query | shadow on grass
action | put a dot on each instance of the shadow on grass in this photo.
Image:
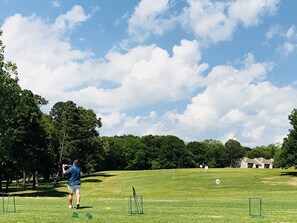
(43, 193)
(85, 207)
(47, 189)
(289, 173)
(98, 174)
(43, 190)
(91, 180)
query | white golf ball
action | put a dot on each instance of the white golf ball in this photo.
(218, 181)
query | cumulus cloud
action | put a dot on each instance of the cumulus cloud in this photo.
(240, 101)
(236, 103)
(252, 112)
(71, 19)
(47, 65)
(210, 21)
(119, 81)
(149, 19)
(147, 72)
(215, 21)
(250, 12)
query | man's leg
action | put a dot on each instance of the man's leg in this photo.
(70, 192)
(77, 192)
(70, 200)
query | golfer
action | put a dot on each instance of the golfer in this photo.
(73, 174)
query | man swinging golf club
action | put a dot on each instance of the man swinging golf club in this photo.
(73, 174)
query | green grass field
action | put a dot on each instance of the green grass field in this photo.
(183, 195)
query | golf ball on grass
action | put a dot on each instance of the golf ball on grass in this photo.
(218, 181)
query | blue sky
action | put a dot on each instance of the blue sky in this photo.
(197, 69)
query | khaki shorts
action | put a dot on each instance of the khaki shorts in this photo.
(74, 188)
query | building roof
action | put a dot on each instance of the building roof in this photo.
(258, 161)
(253, 161)
(264, 161)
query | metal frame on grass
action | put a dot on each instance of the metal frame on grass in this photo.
(135, 204)
(255, 207)
(6, 206)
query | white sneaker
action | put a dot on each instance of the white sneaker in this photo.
(70, 206)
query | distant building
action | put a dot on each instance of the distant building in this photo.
(256, 163)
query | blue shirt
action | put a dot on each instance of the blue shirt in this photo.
(73, 174)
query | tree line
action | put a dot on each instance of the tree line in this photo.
(148, 152)
(33, 144)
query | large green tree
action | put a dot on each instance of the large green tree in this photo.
(29, 135)
(91, 146)
(267, 152)
(115, 155)
(21, 132)
(234, 151)
(153, 145)
(9, 98)
(288, 155)
(136, 153)
(173, 154)
(76, 131)
(199, 151)
(216, 154)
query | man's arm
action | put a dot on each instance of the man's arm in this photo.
(63, 169)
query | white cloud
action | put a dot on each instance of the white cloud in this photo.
(288, 48)
(145, 21)
(146, 75)
(288, 36)
(210, 21)
(71, 19)
(56, 3)
(240, 105)
(214, 21)
(273, 31)
(256, 133)
(49, 66)
(250, 12)
(236, 103)
(279, 31)
(111, 119)
(234, 115)
(291, 33)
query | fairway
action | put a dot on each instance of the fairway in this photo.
(180, 195)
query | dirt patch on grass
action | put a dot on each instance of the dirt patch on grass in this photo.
(276, 181)
(293, 182)
(272, 181)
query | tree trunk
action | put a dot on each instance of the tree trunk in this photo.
(24, 179)
(7, 183)
(34, 181)
(0, 182)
